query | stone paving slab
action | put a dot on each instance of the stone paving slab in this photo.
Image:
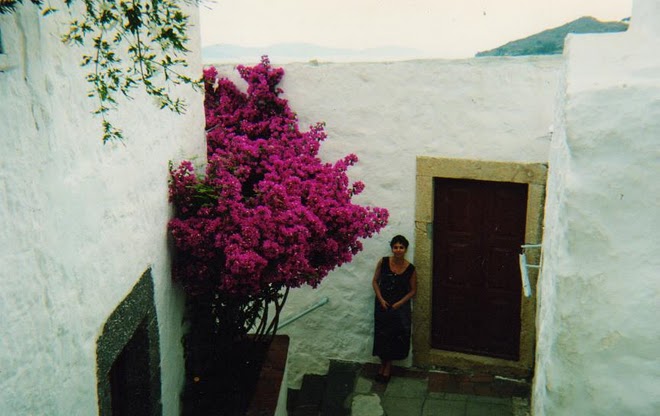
(457, 397)
(406, 387)
(492, 400)
(403, 406)
(363, 385)
(436, 407)
(366, 405)
(487, 409)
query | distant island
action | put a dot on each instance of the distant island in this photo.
(551, 41)
(548, 42)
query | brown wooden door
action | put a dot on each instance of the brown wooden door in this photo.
(477, 232)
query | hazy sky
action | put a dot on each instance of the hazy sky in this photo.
(441, 28)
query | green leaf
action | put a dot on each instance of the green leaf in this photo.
(48, 11)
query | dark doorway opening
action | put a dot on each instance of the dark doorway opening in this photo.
(130, 377)
(477, 232)
(128, 356)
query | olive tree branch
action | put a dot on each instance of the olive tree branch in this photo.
(128, 27)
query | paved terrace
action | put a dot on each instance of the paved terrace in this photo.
(350, 389)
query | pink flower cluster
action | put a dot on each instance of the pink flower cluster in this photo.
(268, 211)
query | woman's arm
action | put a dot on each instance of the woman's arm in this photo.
(410, 294)
(374, 284)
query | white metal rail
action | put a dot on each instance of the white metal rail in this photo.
(299, 315)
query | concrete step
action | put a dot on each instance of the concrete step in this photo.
(308, 400)
(327, 395)
(340, 384)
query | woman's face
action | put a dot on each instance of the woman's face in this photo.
(399, 250)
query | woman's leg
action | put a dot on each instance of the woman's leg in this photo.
(384, 371)
(387, 368)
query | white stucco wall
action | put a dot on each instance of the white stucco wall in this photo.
(388, 114)
(598, 338)
(79, 221)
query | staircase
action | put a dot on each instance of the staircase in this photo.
(325, 395)
(349, 390)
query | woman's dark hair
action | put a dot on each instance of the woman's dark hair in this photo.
(399, 239)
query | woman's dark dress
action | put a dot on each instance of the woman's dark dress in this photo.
(392, 327)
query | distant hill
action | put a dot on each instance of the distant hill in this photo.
(302, 52)
(551, 41)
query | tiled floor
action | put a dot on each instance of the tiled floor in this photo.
(412, 393)
(350, 389)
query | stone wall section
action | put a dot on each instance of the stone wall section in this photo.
(80, 221)
(389, 114)
(598, 343)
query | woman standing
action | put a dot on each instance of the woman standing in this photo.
(395, 283)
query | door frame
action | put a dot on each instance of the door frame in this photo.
(532, 174)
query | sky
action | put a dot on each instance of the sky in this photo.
(439, 28)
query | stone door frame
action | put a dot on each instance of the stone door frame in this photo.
(532, 174)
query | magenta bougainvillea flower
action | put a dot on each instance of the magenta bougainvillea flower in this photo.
(268, 212)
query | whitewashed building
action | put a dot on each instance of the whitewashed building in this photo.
(598, 337)
(84, 257)
(574, 137)
(487, 119)
(585, 124)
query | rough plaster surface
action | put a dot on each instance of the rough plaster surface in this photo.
(80, 222)
(388, 114)
(598, 342)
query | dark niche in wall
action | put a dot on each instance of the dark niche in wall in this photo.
(128, 356)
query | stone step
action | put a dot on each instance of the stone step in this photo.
(308, 400)
(340, 384)
(325, 395)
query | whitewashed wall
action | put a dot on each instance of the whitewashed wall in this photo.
(79, 221)
(598, 337)
(388, 114)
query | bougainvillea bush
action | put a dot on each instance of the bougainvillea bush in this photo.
(267, 214)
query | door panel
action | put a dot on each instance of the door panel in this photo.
(478, 229)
